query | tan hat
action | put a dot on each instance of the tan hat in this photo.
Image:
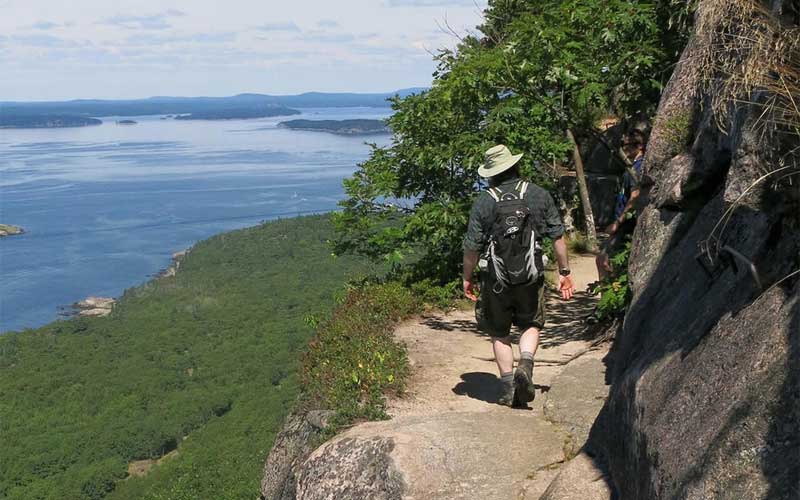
(497, 160)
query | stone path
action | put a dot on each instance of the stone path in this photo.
(450, 440)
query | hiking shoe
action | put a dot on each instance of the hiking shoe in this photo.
(507, 397)
(523, 382)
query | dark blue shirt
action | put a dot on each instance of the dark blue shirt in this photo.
(628, 185)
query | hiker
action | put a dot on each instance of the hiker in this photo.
(506, 227)
(633, 146)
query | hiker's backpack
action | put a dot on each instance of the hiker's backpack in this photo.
(513, 255)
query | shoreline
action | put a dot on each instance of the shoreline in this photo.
(94, 306)
(101, 306)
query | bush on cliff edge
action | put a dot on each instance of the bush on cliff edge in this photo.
(354, 362)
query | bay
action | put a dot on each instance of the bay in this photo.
(105, 207)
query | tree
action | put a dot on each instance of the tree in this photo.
(537, 69)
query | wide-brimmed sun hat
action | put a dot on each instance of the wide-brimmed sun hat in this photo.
(497, 160)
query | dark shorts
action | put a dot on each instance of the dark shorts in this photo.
(520, 305)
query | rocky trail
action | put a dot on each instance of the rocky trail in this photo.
(449, 439)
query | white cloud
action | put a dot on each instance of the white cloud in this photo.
(327, 23)
(44, 25)
(290, 27)
(149, 22)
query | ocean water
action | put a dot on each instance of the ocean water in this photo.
(104, 208)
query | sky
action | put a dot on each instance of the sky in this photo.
(56, 49)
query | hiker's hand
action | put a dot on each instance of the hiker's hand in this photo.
(566, 287)
(612, 229)
(469, 290)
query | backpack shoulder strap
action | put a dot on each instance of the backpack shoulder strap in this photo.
(495, 193)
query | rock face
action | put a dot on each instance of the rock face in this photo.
(575, 397)
(580, 479)
(177, 259)
(300, 434)
(351, 469)
(9, 230)
(95, 306)
(705, 402)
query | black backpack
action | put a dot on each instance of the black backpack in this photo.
(513, 255)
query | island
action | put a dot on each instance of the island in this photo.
(341, 127)
(9, 230)
(46, 121)
(239, 113)
(126, 122)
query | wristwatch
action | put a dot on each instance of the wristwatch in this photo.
(564, 271)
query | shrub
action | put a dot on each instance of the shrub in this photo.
(354, 362)
(615, 291)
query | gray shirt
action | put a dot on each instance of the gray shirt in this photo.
(546, 219)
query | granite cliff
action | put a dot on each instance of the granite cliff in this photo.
(705, 400)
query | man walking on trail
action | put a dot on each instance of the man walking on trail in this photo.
(506, 226)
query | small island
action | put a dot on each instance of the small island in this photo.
(126, 122)
(239, 113)
(9, 230)
(341, 127)
(46, 121)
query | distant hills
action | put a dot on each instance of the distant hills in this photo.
(68, 112)
(341, 127)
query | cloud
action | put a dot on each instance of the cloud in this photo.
(44, 41)
(153, 39)
(150, 22)
(44, 25)
(430, 3)
(290, 27)
(319, 36)
(328, 23)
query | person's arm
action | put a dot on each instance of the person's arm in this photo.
(470, 261)
(565, 284)
(628, 207)
(474, 242)
(555, 231)
(632, 185)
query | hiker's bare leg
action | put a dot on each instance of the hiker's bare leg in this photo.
(529, 341)
(603, 266)
(503, 354)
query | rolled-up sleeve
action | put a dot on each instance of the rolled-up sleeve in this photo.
(552, 219)
(477, 227)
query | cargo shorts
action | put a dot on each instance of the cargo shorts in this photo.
(518, 305)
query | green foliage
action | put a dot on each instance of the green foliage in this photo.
(354, 362)
(615, 291)
(434, 295)
(539, 68)
(206, 362)
(678, 130)
(680, 21)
